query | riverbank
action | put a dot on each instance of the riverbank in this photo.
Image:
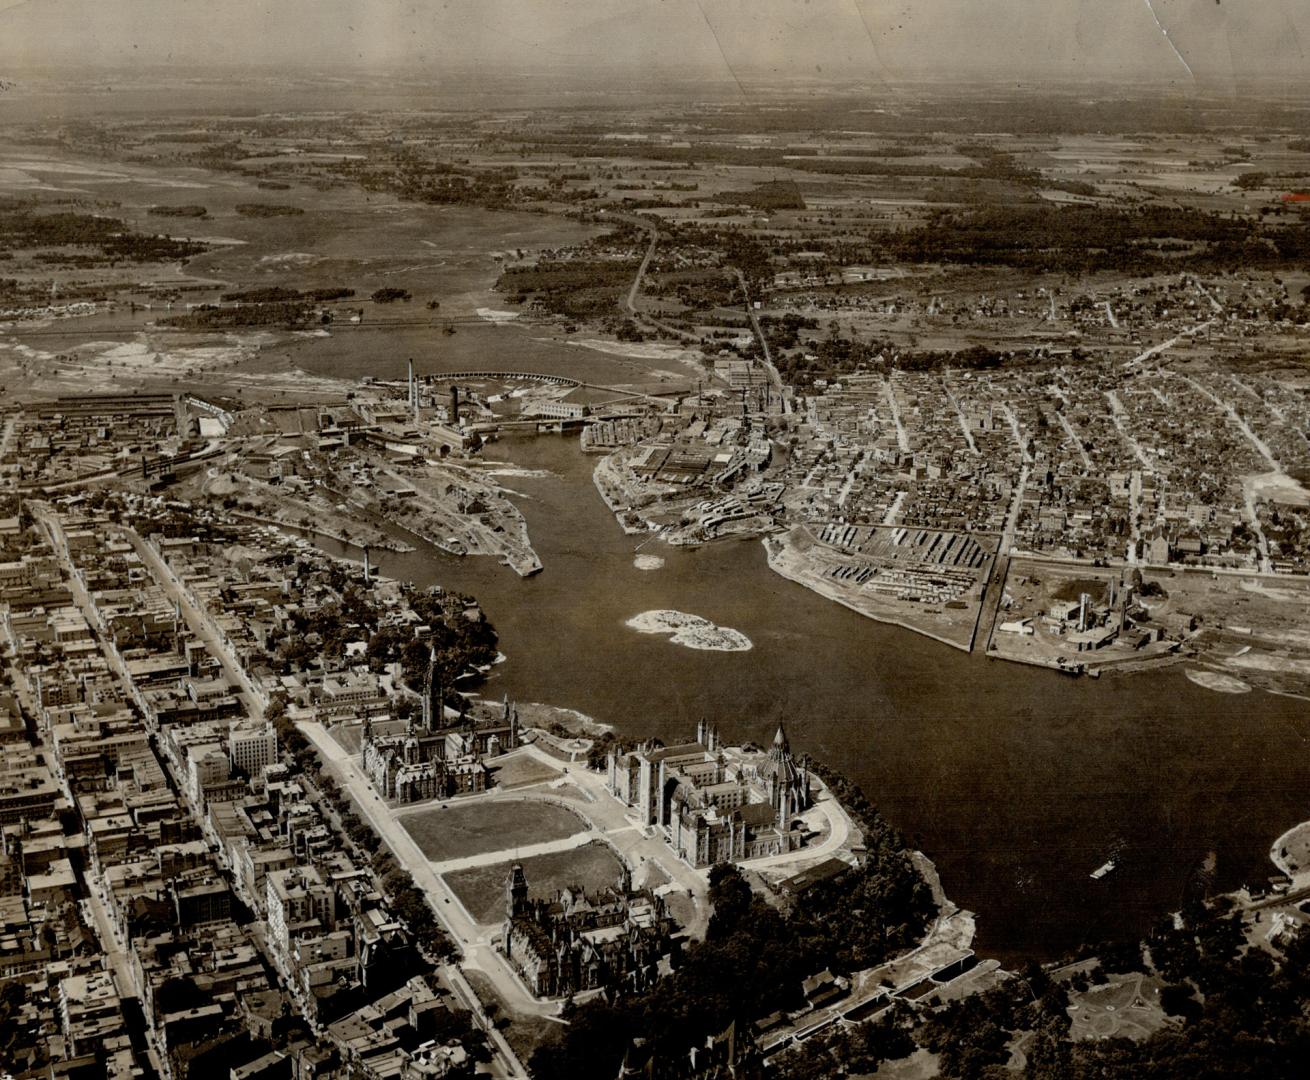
(380, 542)
(1291, 854)
(609, 486)
(790, 564)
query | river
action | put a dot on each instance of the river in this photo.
(1016, 781)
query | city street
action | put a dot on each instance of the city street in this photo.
(199, 620)
(474, 941)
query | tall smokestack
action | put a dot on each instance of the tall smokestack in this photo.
(454, 405)
(413, 389)
(367, 567)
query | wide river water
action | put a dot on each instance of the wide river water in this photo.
(1016, 781)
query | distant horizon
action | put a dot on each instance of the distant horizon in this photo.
(665, 80)
(1193, 46)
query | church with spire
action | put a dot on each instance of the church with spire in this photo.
(715, 804)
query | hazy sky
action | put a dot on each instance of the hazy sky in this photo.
(1205, 42)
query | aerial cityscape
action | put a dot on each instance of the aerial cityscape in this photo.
(654, 542)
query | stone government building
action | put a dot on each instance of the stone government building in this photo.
(618, 938)
(433, 759)
(714, 805)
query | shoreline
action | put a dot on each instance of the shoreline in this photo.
(617, 511)
(887, 620)
(1276, 850)
(690, 631)
(397, 547)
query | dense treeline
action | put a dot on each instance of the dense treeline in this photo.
(755, 956)
(457, 629)
(272, 305)
(1081, 239)
(435, 182)
(291, 315)
(798, 158)
(190, 210)
(268, 210)
(834, 356)
(278, 294)
(1237, 1010)
(771, 195)
(576, 289)
(21, 227)
(463, 638)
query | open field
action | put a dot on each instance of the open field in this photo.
(458, 830)
(481, 889)
(520, 770)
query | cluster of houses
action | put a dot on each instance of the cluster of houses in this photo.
(146, 815)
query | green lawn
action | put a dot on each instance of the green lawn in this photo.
(348, 736)
(482, 888)
(520, 771)
(460, 830)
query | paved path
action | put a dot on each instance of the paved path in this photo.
(1259, 444)
(476, 942)
(889, 518)
(1135, 508)
(199, 620)
(1248, 491)
(964, 424)
(1012, 518)
(8, 433)
(1118, 414)
(523, 851)
(54, 527)
(902, 439)
(839, 831)
(1073, 438)
(634, 290)
(1274, 410)
(1164, 346)
(1013, 421)
(772, 371)
(110, 944)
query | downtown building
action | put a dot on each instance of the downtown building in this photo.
(713, 807)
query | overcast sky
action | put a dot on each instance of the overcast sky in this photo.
(1197, 42)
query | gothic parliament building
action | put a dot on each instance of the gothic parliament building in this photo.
(713, 809)
(434, 759)
(618, 939)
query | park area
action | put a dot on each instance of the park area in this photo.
(481, 889)
(1128, 1008)
(457, 831)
